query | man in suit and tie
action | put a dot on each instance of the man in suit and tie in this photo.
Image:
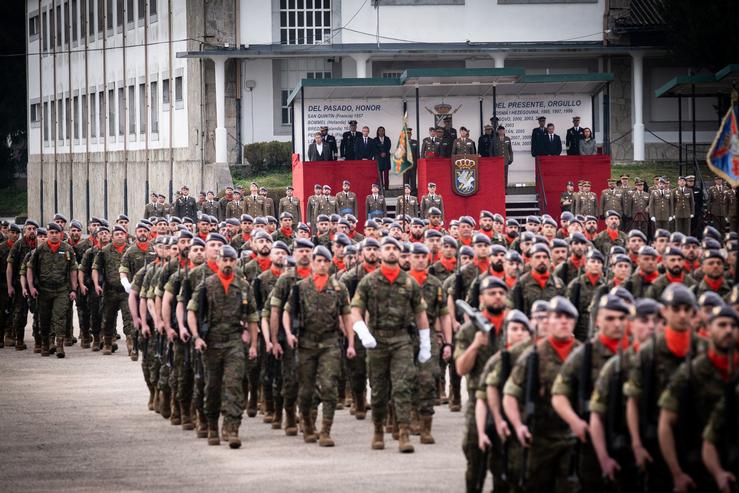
(552, 143)
(318, 150)
(574, 134)
(537, 137)
(364, 147)
(348, 141)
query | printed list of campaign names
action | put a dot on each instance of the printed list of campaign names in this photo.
(337, 116)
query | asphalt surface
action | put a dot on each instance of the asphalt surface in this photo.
(81, 424)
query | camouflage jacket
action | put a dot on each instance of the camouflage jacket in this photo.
(319, 311)
(225, 310)
(53, 271)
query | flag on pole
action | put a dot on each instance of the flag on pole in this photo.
(723, 156)
(403, 155)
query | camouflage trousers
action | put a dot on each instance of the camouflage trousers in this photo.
(52, 309)
(94, 313)
(266, 374)
(113, 301)
(19, 314)
(549, 463)
(424, 390)
(166, 367)
(319, 366)
(224, 370)
(392, 375)
(252, 371)
(83, 317)
(289, 377)
(477, 465)
(357, 370)
(505, 466)
(152, 362)
(182, 379)
(5, 310)
(273, 373)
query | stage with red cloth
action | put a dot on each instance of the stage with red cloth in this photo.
(490, 193)
(553, 173)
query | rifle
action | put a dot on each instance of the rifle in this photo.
(296, 312)
(257, 288)
(505, 372)
(474, 294)
(458, 292)
(477, 318)
(687, 447)
(202, 314)
(186, 287)
(584, 389)
(531, 395)
(616, 437)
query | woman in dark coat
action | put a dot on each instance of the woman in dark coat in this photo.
(382, 148)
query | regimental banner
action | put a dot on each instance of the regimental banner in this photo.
(723, 156)
(465, 174)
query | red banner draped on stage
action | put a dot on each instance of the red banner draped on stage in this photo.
(490, 194)
(553, 173)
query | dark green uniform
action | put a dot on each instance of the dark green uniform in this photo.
(93, 302)
(428, 372)
(604, 242)
(108, 260)
(19, 316)
(527, 290)
(5, 302)
(581, 292)
(660, 284)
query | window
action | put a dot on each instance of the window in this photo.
(119, 13)
(152, 7)
(68, 118)
(111, 112)
(93, 115)
(154, 108)
(101, 15)
(33, 26)
(142, 108)
(285, 108)
(391, 75)
(129, 11)
(109, 15)
(101, 113)
(131, 109)
(35, 112)
(90, 16)
(46, 121)
(45, 30)
(178, 89)
(121, 111)
(67, 23)
(165, 92)
(52, 28)
(76, 113)
(75, 20)
(305, 22)
(52, 120)
(318, 75)
(84, 116)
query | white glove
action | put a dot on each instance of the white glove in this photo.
(126, 284)
(692, 216)
(360, 328)
(672, 218)
(654, 219)
(424, 353)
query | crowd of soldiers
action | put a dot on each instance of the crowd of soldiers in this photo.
(592, 359)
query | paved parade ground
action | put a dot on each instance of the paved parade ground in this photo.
(81, 424)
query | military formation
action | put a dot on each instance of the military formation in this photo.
(594, 358)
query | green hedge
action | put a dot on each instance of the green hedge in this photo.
(268, 156)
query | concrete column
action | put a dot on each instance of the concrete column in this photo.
(361, 61)
(637, 84)
(221, 134)
(499, 59)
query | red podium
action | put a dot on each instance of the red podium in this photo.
(553, 173)
(490, 193)
(361, 174)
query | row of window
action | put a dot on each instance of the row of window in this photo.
(305, 22)
(64, 22)
(61, 118)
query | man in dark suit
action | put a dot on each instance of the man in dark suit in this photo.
(574, 134)
(318, 150)
(331, 141)
(364, 146)
(552, 144)
(348, 140)
(485, 142)
(537, 137)
(185, 205)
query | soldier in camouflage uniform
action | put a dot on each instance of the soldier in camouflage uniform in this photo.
(391, 301)
(713, 268)
(573, 386)
(312, 327)
(19, 306)
(302, 250)
(611, 236)
(472, 350)
(673, 261)
(582, 290)
(549, 442)
(52, 279)
(285, 234)
(5, 301)
(720, 439)
(131, 262)
(574, 265)
(539, 283)
(93, 301)
(225, 302)
(645, 275)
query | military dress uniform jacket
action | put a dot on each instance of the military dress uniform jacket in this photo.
(185, 207)
(269, 207)
(660, 205)
(612, 200)
(430, 147)
(346, 203)
(254, 205)
(312, 208)
(150, 210)
(375, 206)
(572, 140)
(637, 206)
(503, 149)
(291, 205)
(716, 205)
(234, 209)
(683, 206)
(463, 146)
(586, 204)
(210, 207)
(408, 205)
(566, 201)
(428, 201)
(326, 205)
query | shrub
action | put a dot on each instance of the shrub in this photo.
(268, 156)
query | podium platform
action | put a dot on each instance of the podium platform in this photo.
(553, 173)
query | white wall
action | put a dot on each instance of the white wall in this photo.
(258, 108)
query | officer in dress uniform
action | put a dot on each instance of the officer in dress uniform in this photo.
(537, 137)
(375, 203)
(572, 139)
(407, 203)
(485, 142)
(348, 139)
(430, 145)
(683, 206)
(716, 207)
(567, 198)
(660, 205)
(290, 204)
(448, 137)
(431, 199)
(331, 141)
(696, 224)
(346, 200)
(463, 145)
(612, 198)
(586, 202)
(637, 208)
(502, 147)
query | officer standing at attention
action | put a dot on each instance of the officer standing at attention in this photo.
(683, 206)
(290, 204)
(348, 140)
(346, 200)
(572, 139)
(660, 206)
(567, 198)
(463, 145)
(391, 301)
(185, 205)
(448, 136)
(430, 145)
(485, 142)
(375, 203)
(537, 137)
(226, 304)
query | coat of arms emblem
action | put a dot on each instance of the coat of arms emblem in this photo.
(465, 175)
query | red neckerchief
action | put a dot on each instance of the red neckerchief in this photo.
(690, 267)
(590, 236)
(73, 243)
(191, 265)
(678, 342)
(182, 262)
(577, 263)
(434, 257)
(54, 247)
(94, 241)
(489, 234)
(202, 236)
(483, 265)
(30, 243)
(541, 279)
(435, 228)
(303, 272)
(339, 263)
(634, 257)
(499, 275)
(352, 234)
(390, 273)
(419, 275)
(465, 241)
(287, 231)
(9, 243)
(721, 362)
(611, 344)
(275, 271)
(212, 266)
(264, 263)
(562, 348)
(246, 237)
(225, 280)
(616, 282)
(369, 267)
(510, 281)
(593, 278)
(496, 320)
(649, 278)
(715, 285)
(119, 248)
(144, 247)
(510, 239)
(320, 281)
(680, 278)
(449, 263)
(612, 234)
